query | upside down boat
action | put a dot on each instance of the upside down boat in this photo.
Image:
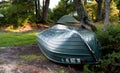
(69, 44)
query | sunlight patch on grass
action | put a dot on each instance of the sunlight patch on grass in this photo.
(17, 39)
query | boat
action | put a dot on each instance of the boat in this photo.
(69, 44)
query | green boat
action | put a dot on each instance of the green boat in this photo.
(68, 44)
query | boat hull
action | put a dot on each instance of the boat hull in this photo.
(69, 45)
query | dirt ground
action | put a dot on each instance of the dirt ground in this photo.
(10, 62)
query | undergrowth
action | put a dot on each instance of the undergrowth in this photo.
(110, 42)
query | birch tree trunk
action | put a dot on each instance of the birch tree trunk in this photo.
(107, 12)
(83, 16)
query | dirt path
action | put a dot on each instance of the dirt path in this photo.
(11, 62)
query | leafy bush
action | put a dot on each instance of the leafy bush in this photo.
(110, 42)
(110, 39)
(109, 64)
(17, 14)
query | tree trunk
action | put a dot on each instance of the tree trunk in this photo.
(45, 11)
(37, 8)
(83, 16)
(107, 12)
(99, 10)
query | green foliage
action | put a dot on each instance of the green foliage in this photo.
(117, 3)
(110, 39)
(3, 11)
(59, 11)
(2, 21)
(62, 9)
(114, 12)
(50, 16)
(16, 14)
(86, 69)
(91, 9)
(109, 64)
(17, 39)
(22, 11)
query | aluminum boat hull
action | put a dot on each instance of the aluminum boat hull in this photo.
(69, 45)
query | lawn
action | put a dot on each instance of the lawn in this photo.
(17, 39)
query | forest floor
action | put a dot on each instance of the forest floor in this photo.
(22, 59)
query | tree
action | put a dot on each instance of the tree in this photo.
(107, 12)
(99, 10)
(83, 16)
(18, 12)
(61, 9)
(45, 10)
(37, 10)
(118, 6)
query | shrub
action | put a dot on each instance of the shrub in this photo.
(109, 64)
(110, 39)
(17, 14)
(110, 42)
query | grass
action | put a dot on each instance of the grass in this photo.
(32, 57)
(62, 71)
(17, 39)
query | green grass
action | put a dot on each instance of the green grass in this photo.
(32, 57)
(17, 39)
(62, 71)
